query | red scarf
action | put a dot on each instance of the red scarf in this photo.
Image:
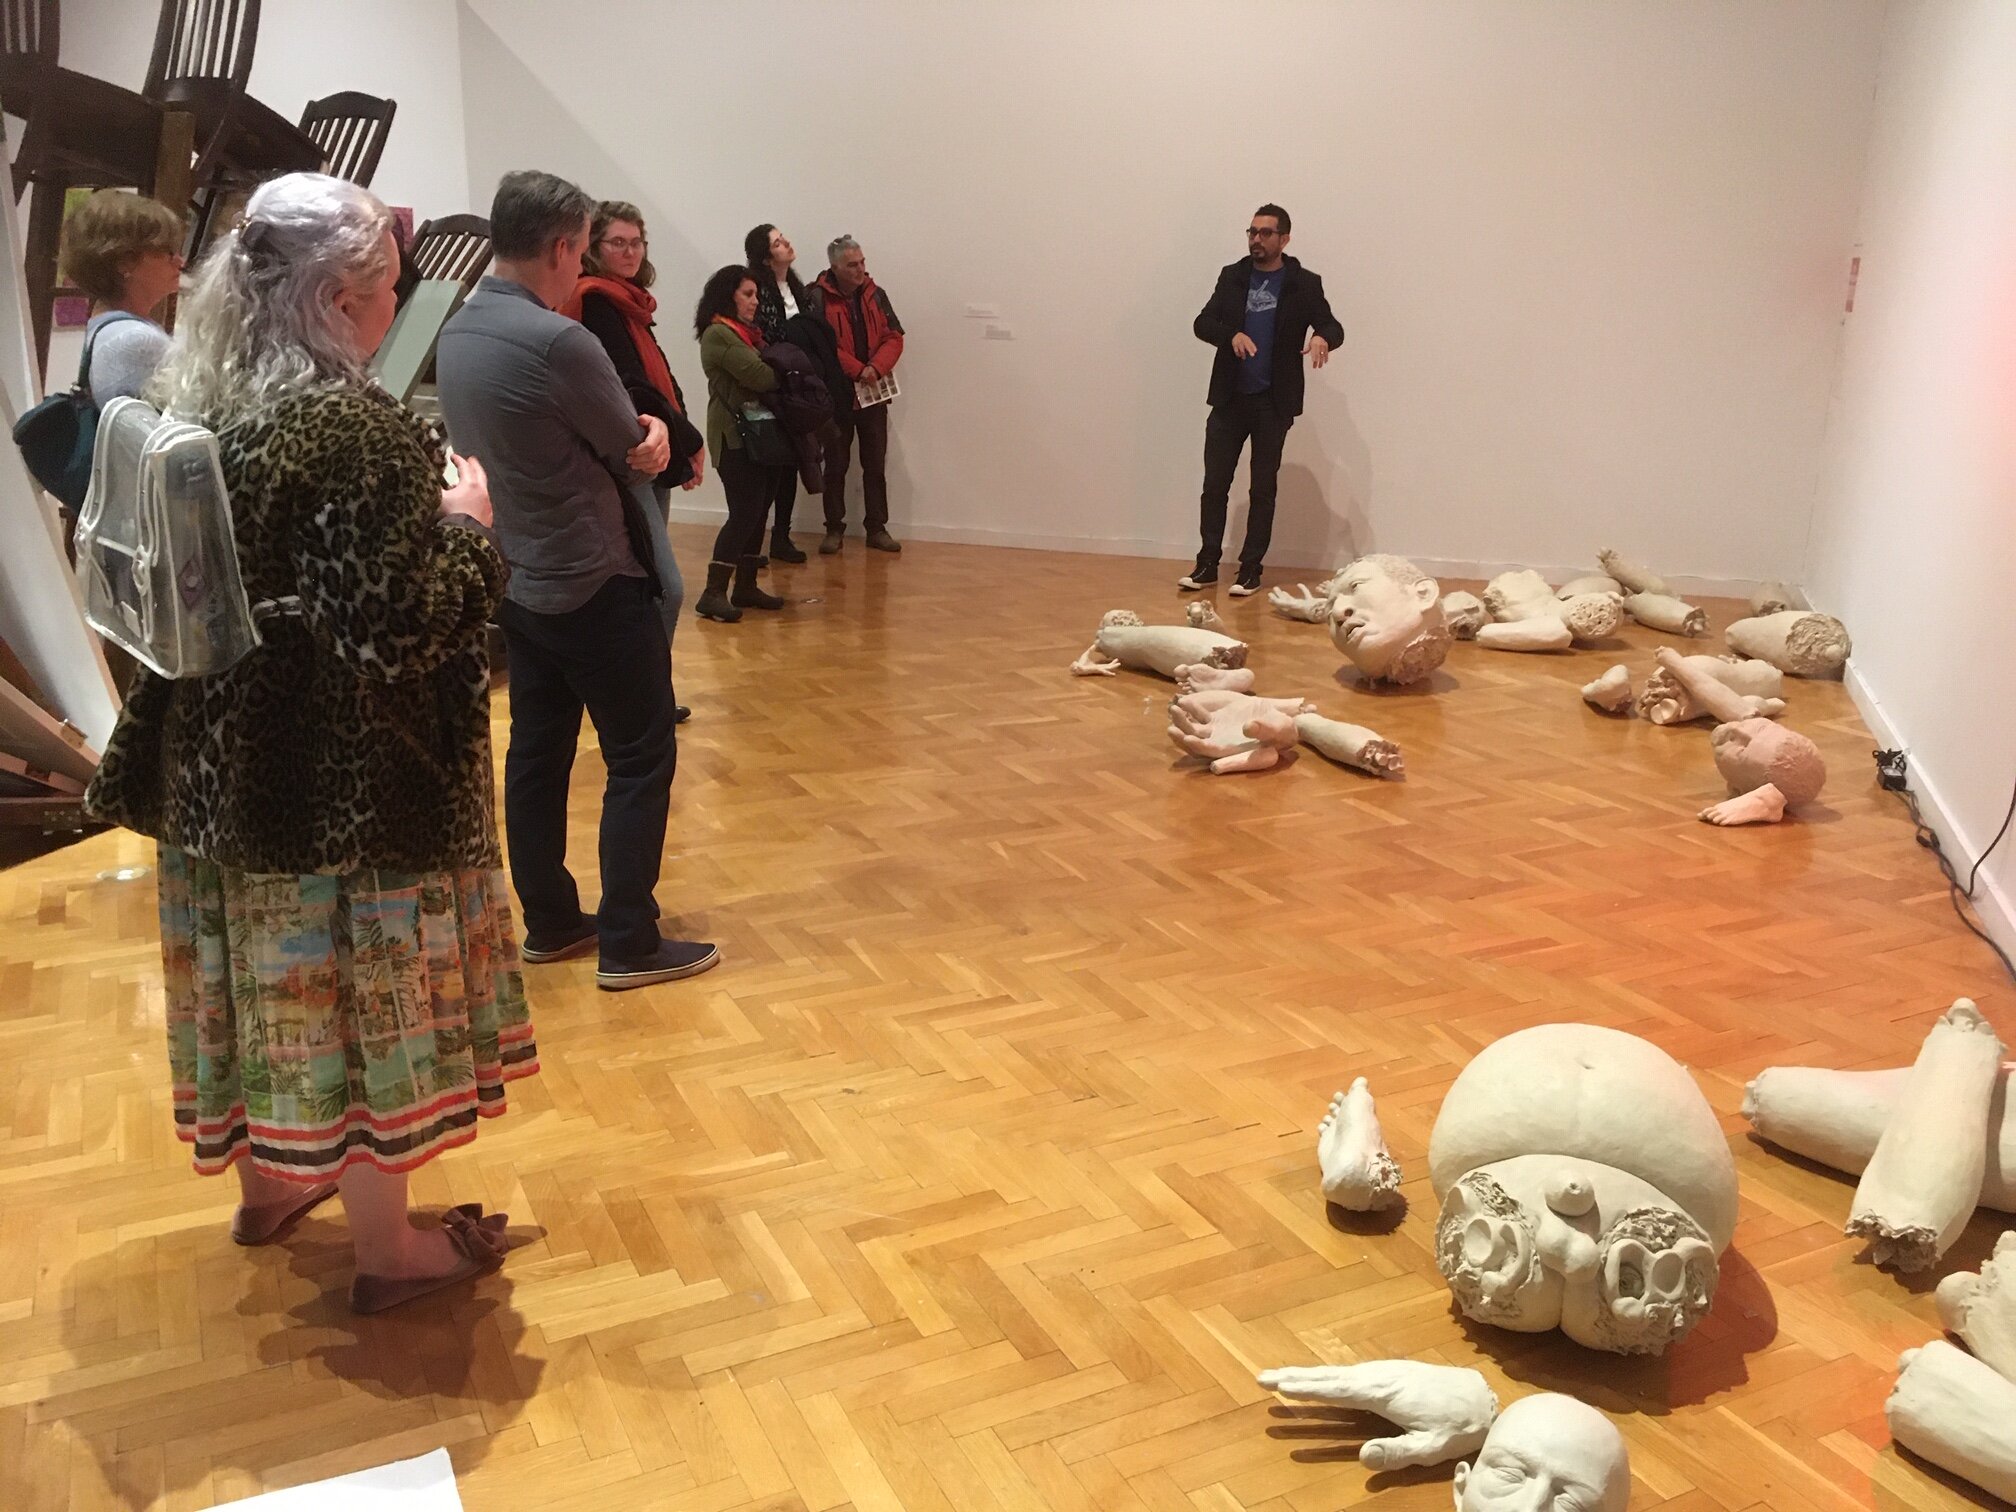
(754, 340)
(636, 306)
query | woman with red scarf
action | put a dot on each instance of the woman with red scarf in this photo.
(614, 300)
(731, 349)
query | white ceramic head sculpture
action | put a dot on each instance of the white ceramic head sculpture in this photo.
(1547, 1454)
(1585, 1185)
(1752, 752)
(1386, 616)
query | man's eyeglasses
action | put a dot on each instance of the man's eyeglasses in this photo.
(1254, 233)
(624, 243)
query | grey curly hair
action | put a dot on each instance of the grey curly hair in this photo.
(257, 323)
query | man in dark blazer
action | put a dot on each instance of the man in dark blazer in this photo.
(1266, 314)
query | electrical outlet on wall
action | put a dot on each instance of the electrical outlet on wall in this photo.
(999, 333)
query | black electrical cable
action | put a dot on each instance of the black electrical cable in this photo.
(1959, 895)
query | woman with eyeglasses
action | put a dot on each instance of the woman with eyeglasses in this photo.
(780, 294)
(614, 300)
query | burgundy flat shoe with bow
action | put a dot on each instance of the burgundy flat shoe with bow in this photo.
(267, 1221)
(479, 1240)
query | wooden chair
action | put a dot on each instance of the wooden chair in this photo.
(351, 129)
(454, 247)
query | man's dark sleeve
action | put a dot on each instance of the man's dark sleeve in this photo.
(594, 400)
(1212, 328)
(1321, 321)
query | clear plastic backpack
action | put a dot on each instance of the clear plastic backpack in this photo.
(155, 556)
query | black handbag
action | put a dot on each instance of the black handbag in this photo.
(763, 437)
(57, 435)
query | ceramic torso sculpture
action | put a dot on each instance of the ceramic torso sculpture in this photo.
(1386, 616)
(1794, 640)
(1585, 1185)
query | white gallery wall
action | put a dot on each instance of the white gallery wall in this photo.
(1590, 258)
(1914, 540)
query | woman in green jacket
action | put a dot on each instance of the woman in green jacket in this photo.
(730, 357)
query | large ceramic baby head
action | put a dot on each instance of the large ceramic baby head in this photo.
(1547, 1454)
(1585, 1186)
(1386, 615)
(1752, 752)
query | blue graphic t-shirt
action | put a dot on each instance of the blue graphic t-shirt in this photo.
(1263, 298)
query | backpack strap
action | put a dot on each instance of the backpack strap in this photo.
(84, 363)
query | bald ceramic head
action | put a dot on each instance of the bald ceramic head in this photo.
(1386, 615)
(1547, 1454)
(1752, 752)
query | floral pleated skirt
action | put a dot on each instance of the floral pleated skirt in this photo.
(319, 1022)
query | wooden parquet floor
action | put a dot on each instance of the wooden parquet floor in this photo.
(982, 1175)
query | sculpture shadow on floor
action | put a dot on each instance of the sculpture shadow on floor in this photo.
(1378, 1221)
(1710, 1361)
(1351, 680)
(1964, 1491)
(1335, 1435)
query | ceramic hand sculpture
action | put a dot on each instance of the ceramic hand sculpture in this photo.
(1236, 732)
(1359, 1172)
(1386, 616)
(1666, 700)
(1446, 1409)
(1794, 640)
(1351, 745)
(1124, 641)
(1465, 614)
(1768, 767)
(1585, 1185)
(1611, 692)
(1304, 603)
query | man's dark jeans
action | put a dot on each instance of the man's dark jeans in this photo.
(610, 657)
(1245, 417)
(873, 425)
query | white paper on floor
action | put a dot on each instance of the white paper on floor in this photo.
(426, 1484)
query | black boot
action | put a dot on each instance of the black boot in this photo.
(784, 549)
(714, 604)
(749, 593)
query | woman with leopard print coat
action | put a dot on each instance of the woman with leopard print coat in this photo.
(343, 993)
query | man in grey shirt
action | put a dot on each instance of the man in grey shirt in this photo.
(535, 397)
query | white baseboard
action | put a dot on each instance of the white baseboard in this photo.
(1285, 559)
(1992, 906)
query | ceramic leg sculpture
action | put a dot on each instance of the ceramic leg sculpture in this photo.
(1632, 577)
(1951, 1409)
(1924, 1181)
(1359, 1172)
(1447, 1411)
(1351, 745)
(1982, 1308)
(1666, 700)
(1465, 614)
(1794, 640)
(1659, 611)
(1771, 598)
(1125, 641)
(1544, 634)
(1710, 694)
(1611, 692)
(1837, 1118)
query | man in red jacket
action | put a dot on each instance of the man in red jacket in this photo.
(870, 338)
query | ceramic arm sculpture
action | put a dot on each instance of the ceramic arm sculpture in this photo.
(1951, 1409)
(1236, 732)
(1710, 695)
(1661, 611)
(1838, 1118)
(1447, 1410)
(1125, 640)
(1351, 745)
(1611, 692)
(1982, 1308)
(1359, 1172)
(1302, 604)
(1924, 1181)
(1630, 575)
(1465, 614)
(1794, 640)
(1666, 700)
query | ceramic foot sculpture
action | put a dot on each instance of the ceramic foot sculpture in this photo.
(1953, 1410)
(1465, 614)
(1711, 696)
(1124, 641)
(1768, 767)
(1660, 611)
(1446, 1410)
(1611, 692)
(1359, 1172)
(1351, 745)
(1235, 732)
(1196, 677)
(1386, 616)
(1837, 1118)
(1585, 1185)
(1795, 640)
(1924, 1181)
(1630, 576)
(1981, 1308)
(1666, 700)
(1203, 615)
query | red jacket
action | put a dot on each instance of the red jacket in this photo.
(884, 333)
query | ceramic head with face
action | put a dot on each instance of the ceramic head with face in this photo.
(1752, 752)
(1547, 1454)
(1386, 616)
